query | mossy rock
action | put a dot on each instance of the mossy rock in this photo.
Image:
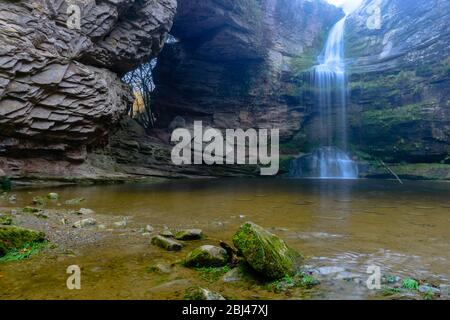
(5, 220)
(265, 252)
(207, 256)
(189, 234)
(14, 237)
(166, 243)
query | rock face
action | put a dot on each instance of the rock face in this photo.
(400, 80)
(60, 91)
(235, 62)
(265, 252)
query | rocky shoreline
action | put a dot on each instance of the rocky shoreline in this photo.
(259, 259)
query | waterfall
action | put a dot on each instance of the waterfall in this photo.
(329, 78)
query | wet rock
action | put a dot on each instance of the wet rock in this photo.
(197, 293)
(40, 201)
(428, 288)
(122, 224)
(31, 210)
(166, 234)
(14, 237)
(160, 267)
(445, 290)
(166, 243)
(189, 234)
(234, 275)
(85, 223)
(207, 256)
(53, 196)
(265, 252)
(41, 215)
(74, 201)
(85, 211)
(5, 220)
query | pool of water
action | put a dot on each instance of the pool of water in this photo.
(340, 225)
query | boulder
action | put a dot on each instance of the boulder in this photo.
(14, 237)
(265, 252)
(189, 234)
(166, 243)
(207, 256)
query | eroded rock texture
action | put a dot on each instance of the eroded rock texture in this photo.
(400, 80)
(60, 88)
(235, 62)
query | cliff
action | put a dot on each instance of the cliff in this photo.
(60, 88)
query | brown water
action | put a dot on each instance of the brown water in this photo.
(351, 224)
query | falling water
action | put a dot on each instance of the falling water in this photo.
(330, 84)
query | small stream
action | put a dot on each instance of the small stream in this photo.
(341, 226)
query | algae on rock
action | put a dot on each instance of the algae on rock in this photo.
(265, 252)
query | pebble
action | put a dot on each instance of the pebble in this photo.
(85, 223)
(85, 211)
(149, 228)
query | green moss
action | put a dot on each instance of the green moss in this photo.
(388, 291)
(206, 256)
(303, 62)
(23, 252)
(392, 116)
(14, 237)
(213, 274)
(265, 252)
(5, 220)
(30, 210)
(300, 280)
(410, 284)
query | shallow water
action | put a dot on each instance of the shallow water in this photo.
(346, 224)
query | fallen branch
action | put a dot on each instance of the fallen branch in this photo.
(391, 171)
